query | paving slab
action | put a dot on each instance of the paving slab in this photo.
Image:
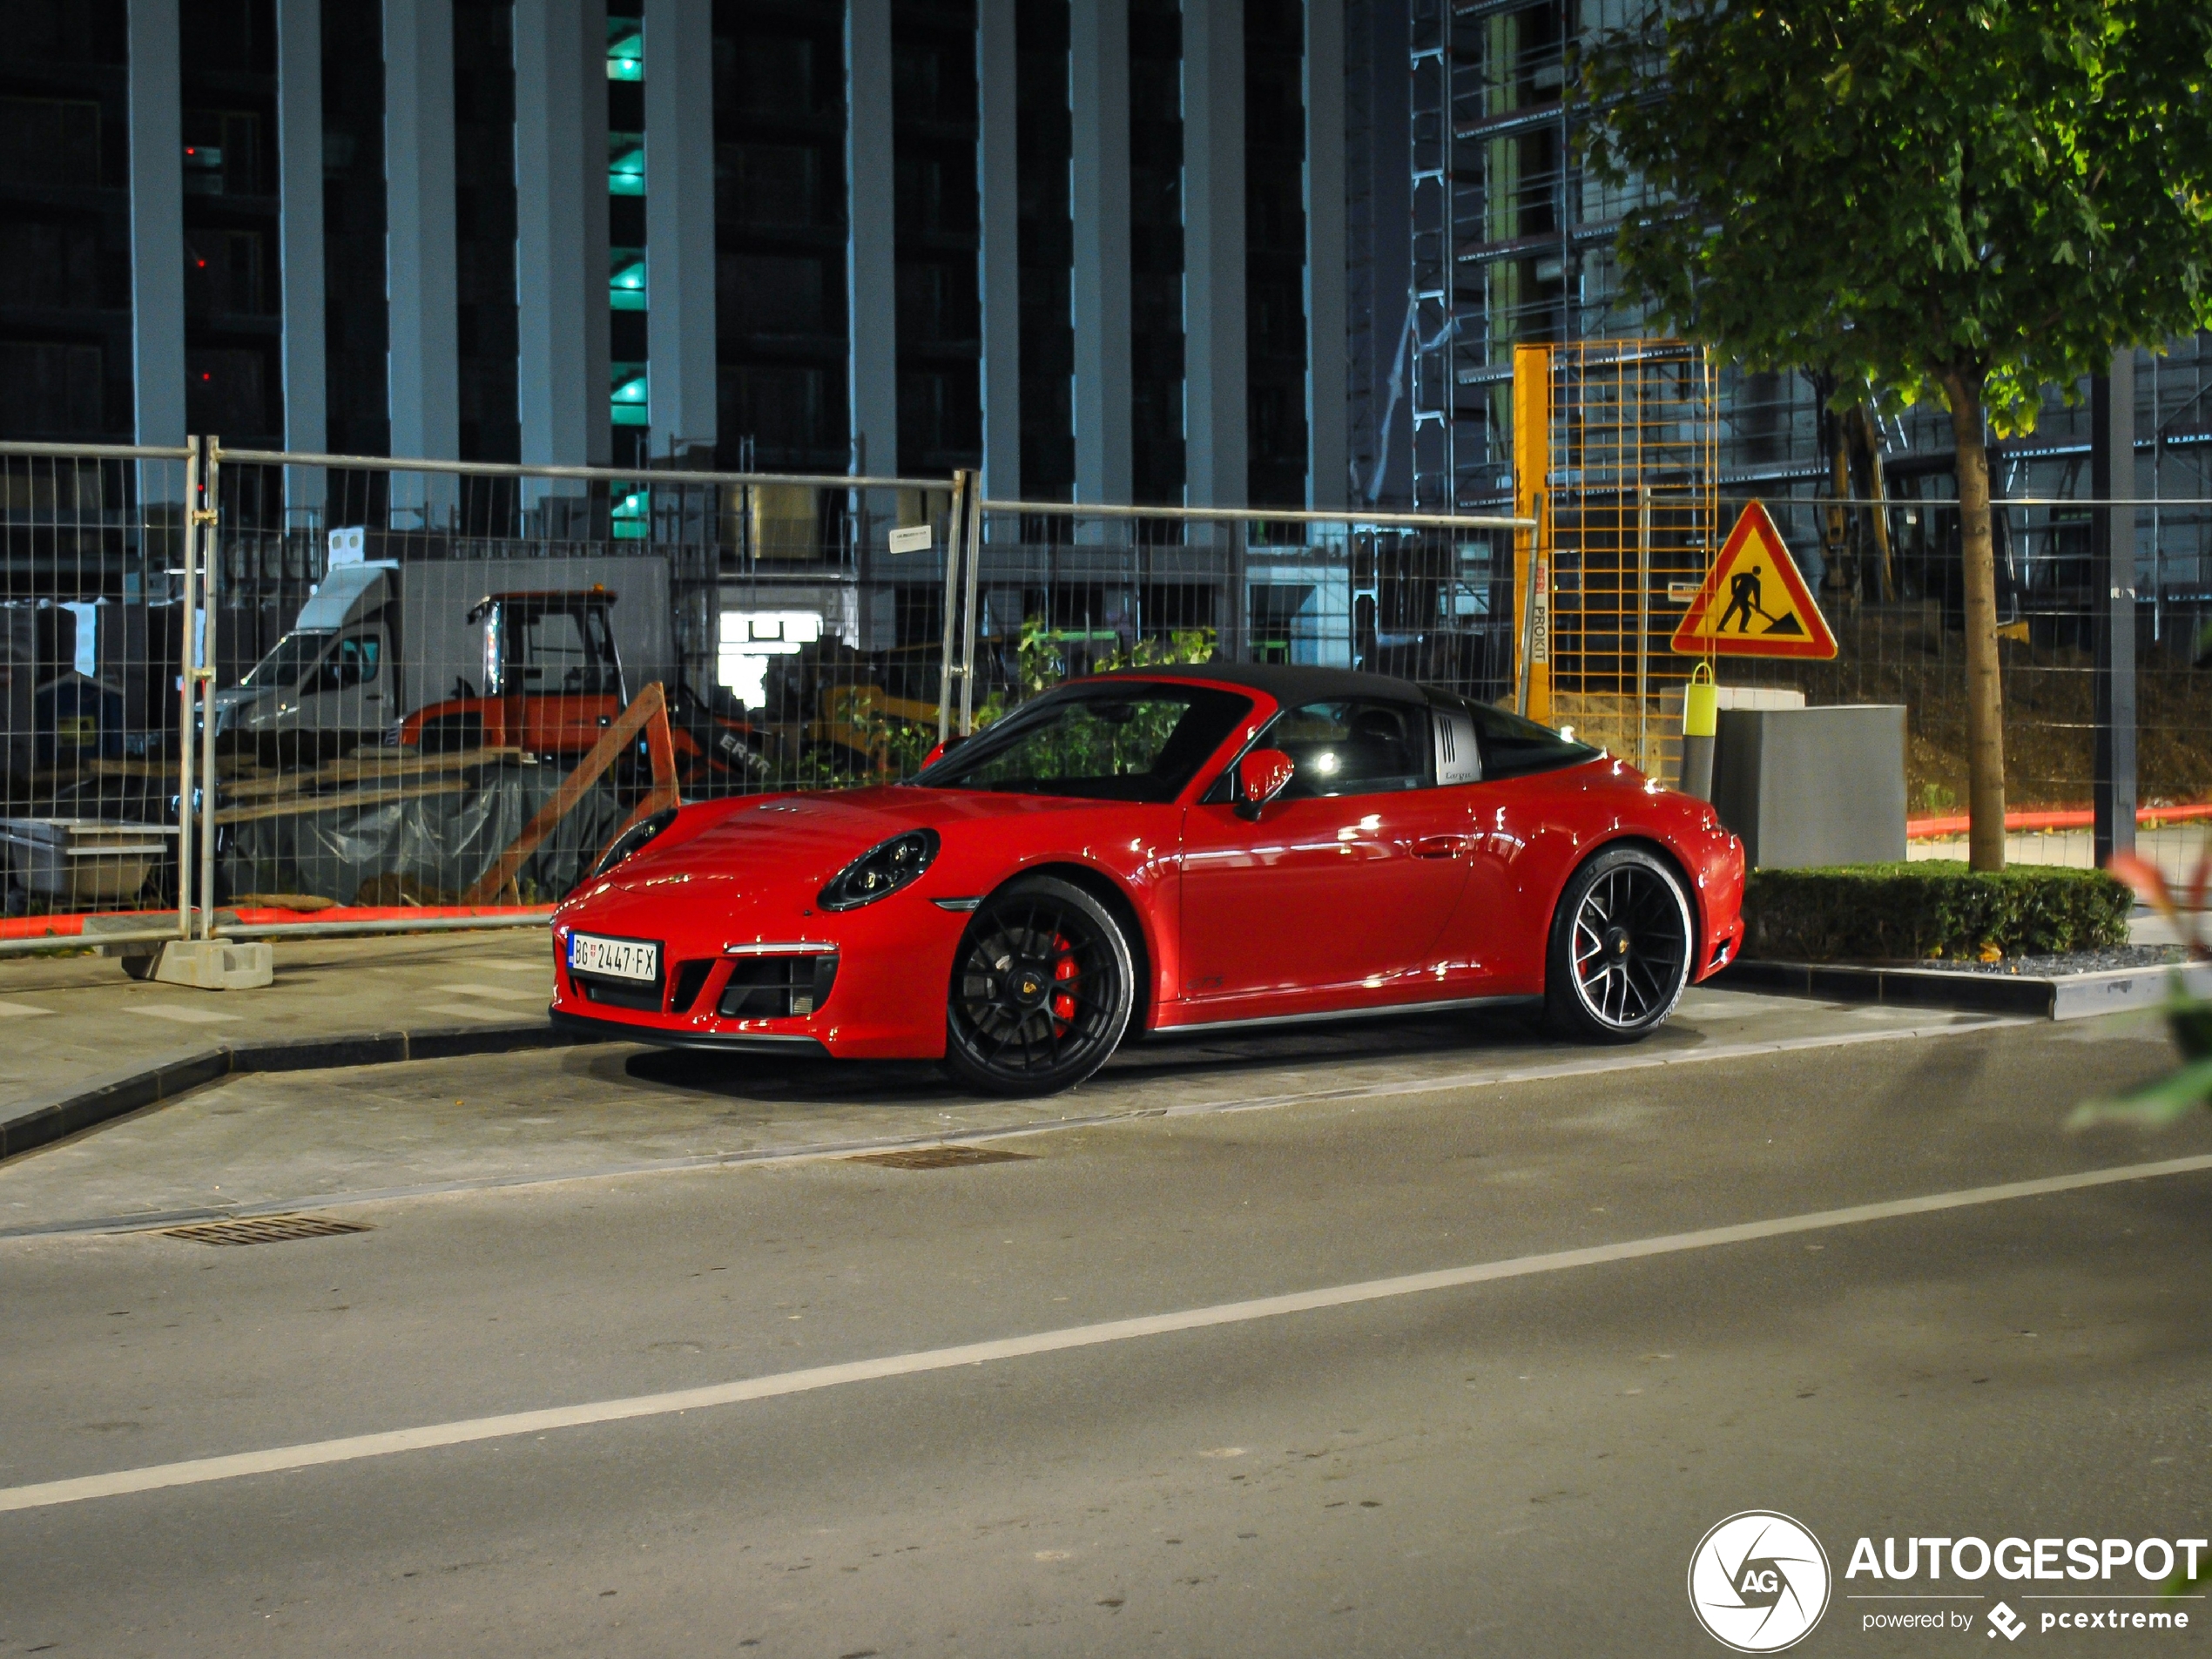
(277, 1140)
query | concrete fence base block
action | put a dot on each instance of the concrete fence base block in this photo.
(216, 964)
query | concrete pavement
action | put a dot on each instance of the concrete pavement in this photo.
(274, 1141)
(91, 1043)
(1521, 1466)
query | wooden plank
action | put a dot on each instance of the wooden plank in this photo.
(357, 771)
(660, 750)
(305, 806)
(650, 702)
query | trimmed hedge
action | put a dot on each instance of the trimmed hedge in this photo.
(1878, 912)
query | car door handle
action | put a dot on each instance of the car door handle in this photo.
(1439, 847)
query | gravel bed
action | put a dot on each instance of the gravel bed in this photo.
(2072, 962)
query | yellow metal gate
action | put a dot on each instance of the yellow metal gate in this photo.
(1616, 455)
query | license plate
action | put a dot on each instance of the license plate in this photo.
(633, 959)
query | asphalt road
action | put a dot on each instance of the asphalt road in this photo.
(1519, 1464)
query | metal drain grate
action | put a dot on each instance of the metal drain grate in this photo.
(940, 1157)
(263, 1230)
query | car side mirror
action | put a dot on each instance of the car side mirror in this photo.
(938, 751)
(1265, 774)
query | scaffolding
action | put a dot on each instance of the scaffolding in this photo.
(1498, 223)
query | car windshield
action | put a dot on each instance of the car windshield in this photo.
(293, 655)
(1140, 741)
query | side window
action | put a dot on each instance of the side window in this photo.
(1353, 747)
(1513, 747)
(353, 660)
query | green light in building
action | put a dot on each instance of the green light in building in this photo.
(633, 514)
(626, 285)
(625, 164)
(625, 49)
(631, 395)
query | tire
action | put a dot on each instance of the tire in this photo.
(1622, 945)
(1042, 986)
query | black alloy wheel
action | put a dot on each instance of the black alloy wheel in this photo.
(1621, 947)
(1042, 986)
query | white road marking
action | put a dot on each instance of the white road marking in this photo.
(352, 1447)
(504, 993)
(20, 1010)
(183, 1013)
(533, 966)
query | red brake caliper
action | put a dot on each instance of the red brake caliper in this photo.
(1063, 971)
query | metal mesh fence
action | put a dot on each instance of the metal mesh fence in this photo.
(1063, 590)
(438, 690)
(92, 547)
(1875, 527)
(449, 687)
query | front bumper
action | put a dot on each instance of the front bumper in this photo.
(885, 998)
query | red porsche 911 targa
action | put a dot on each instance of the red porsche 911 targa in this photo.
(1159, 851)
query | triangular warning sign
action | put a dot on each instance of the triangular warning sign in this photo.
(1753, 602)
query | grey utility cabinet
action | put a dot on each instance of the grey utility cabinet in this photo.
(1812, 786)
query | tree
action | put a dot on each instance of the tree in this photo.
(1924, 199)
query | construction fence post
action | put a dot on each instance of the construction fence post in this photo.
(187, 633)
(1532, 383)
(206, 522)
(2112, 472)
(955, 541)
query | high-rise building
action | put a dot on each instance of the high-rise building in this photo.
(1262, 251)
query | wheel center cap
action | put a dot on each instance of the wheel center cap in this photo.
(1026, 984)
(1617, 942)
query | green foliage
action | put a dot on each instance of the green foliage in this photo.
(898, 746)
(1914, 911)
(1040, 657)
(2189, 1018)
(1904, 194)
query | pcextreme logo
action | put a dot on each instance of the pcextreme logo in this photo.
(1758, 1581)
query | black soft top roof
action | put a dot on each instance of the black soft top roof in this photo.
(1288, 684)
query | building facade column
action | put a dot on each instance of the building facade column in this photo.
(562, 358)
(1098, 90)
(679, 221)
(1328, 453)
(419, 229)
(157, 223)
(300, 164)
(998, 162)
(871, 247)
(1215, 383)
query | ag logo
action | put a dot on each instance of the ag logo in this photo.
(1758, 1581)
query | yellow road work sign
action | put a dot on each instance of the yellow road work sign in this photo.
(1753, 602)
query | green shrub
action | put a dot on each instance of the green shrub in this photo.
(1911, 911)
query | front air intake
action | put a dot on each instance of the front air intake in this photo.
(777, 987)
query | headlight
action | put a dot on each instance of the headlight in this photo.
(881, 871)
(630, 839)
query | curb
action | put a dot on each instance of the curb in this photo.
(39, 1122)
(2062, 996)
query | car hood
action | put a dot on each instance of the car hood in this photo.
(784, 849)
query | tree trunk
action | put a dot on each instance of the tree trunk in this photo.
(1985, 690)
